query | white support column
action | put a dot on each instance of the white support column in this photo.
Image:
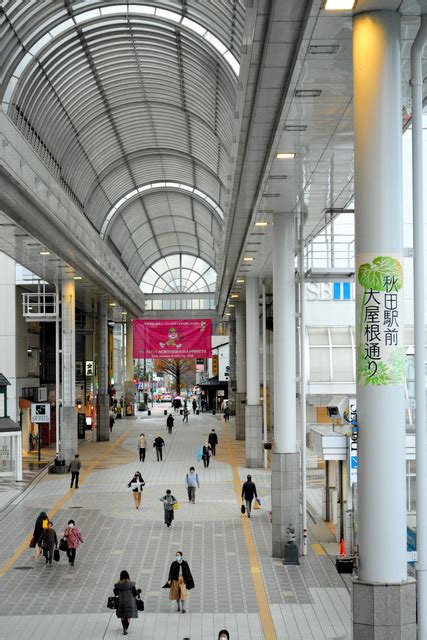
(285, 477)
(103, 431)
(264, 371)
(18, 453)
(240, 369)
(69, 415)
(253, 412)
(380, 333)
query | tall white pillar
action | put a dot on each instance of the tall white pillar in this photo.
(68, 328)
(9, 308)
(285, 475)
(103, 431)
(240, 369)
(232, 370)
(253, 411)
(380, 332)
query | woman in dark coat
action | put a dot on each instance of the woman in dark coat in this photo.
(126, 590)
(38, 530)
(180, 581)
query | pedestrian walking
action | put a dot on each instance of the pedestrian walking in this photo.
(142, 443)
(169, 422)
(39, 526)
(206, 454)
(248, 494)
(192, 482)
(168, 506)
(73, 539)
(158, 445)
(136, 484)
(127, 593)
(48, 542)
(213, 441)
(223, 635)
(227, 414)
(194, 404)
(75, 466)
(185, 415)
(204, 405)
(180, 581)
(112, 419)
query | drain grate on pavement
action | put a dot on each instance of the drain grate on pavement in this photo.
(23, 568)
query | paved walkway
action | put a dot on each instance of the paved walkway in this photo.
(238, 585)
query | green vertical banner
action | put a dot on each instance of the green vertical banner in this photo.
(380, 322)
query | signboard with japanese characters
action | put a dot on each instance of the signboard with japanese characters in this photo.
(380, 325)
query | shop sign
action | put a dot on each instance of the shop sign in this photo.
(89, 368)
(40, 413)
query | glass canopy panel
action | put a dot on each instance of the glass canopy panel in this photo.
(162, 278)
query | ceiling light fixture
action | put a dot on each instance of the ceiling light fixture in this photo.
(323, 49)
(240, 280)
(234, 295)
(77, 277)
(45, 253)
(261, 224)
(285, 155)
(247, 259)
(112, 304)
(124, 313)
(278, 177)
(339, 5)
(307, 93)
(228, 314)
(295, 127)
(231, 306)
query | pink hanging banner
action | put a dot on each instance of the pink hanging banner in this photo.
(172, 338)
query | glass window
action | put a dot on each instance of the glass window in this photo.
(179, 273)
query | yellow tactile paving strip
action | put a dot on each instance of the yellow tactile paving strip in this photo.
(93, 464)
(235, 454)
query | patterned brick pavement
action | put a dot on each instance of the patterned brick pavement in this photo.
(118, 536)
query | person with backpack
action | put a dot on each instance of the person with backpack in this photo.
(40, 525)
(192, 482)
(168, 506)
(73, 538)
(136, 484)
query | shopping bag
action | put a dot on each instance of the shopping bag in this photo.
(175, 506)
(56, 555)
(63, 544)
(112, 602)
(199, 454)
(259, 501)
(32, 543)
(243, 509)
(256, 505)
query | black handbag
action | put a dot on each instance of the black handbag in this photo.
(56, 555)
(243, 509)
(139, 603)
(112, 602)
(63, 544)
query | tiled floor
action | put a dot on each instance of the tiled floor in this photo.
(62, 602)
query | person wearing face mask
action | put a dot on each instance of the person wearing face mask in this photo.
(180, 581)
(73, 538)
(136, 484)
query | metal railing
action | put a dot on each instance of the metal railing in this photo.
(39, 306)
(324, 253)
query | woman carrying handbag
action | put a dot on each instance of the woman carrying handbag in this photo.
(136, 484)
(73, 538)
(128, 600)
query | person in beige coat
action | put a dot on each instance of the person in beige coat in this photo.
(142, 445)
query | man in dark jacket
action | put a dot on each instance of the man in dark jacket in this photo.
(75, 466)
(248, 494)
(169, 422)
(213, 440)
(158, 444)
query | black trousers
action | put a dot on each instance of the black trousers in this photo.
(74, 478)
(71, 555)
(213, 447)
(48, 554)
(142, 455)
(159, 452)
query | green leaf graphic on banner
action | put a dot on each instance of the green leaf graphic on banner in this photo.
(374, 276)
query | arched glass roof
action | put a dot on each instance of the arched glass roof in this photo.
(179, 273)
(119, 95)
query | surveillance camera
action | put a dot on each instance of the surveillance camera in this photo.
(336, 408)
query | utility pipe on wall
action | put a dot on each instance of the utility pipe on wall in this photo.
(264, 371)
(418, 239)
(303, 386)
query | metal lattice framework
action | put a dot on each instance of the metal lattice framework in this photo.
(179, 274)
(119, 95)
